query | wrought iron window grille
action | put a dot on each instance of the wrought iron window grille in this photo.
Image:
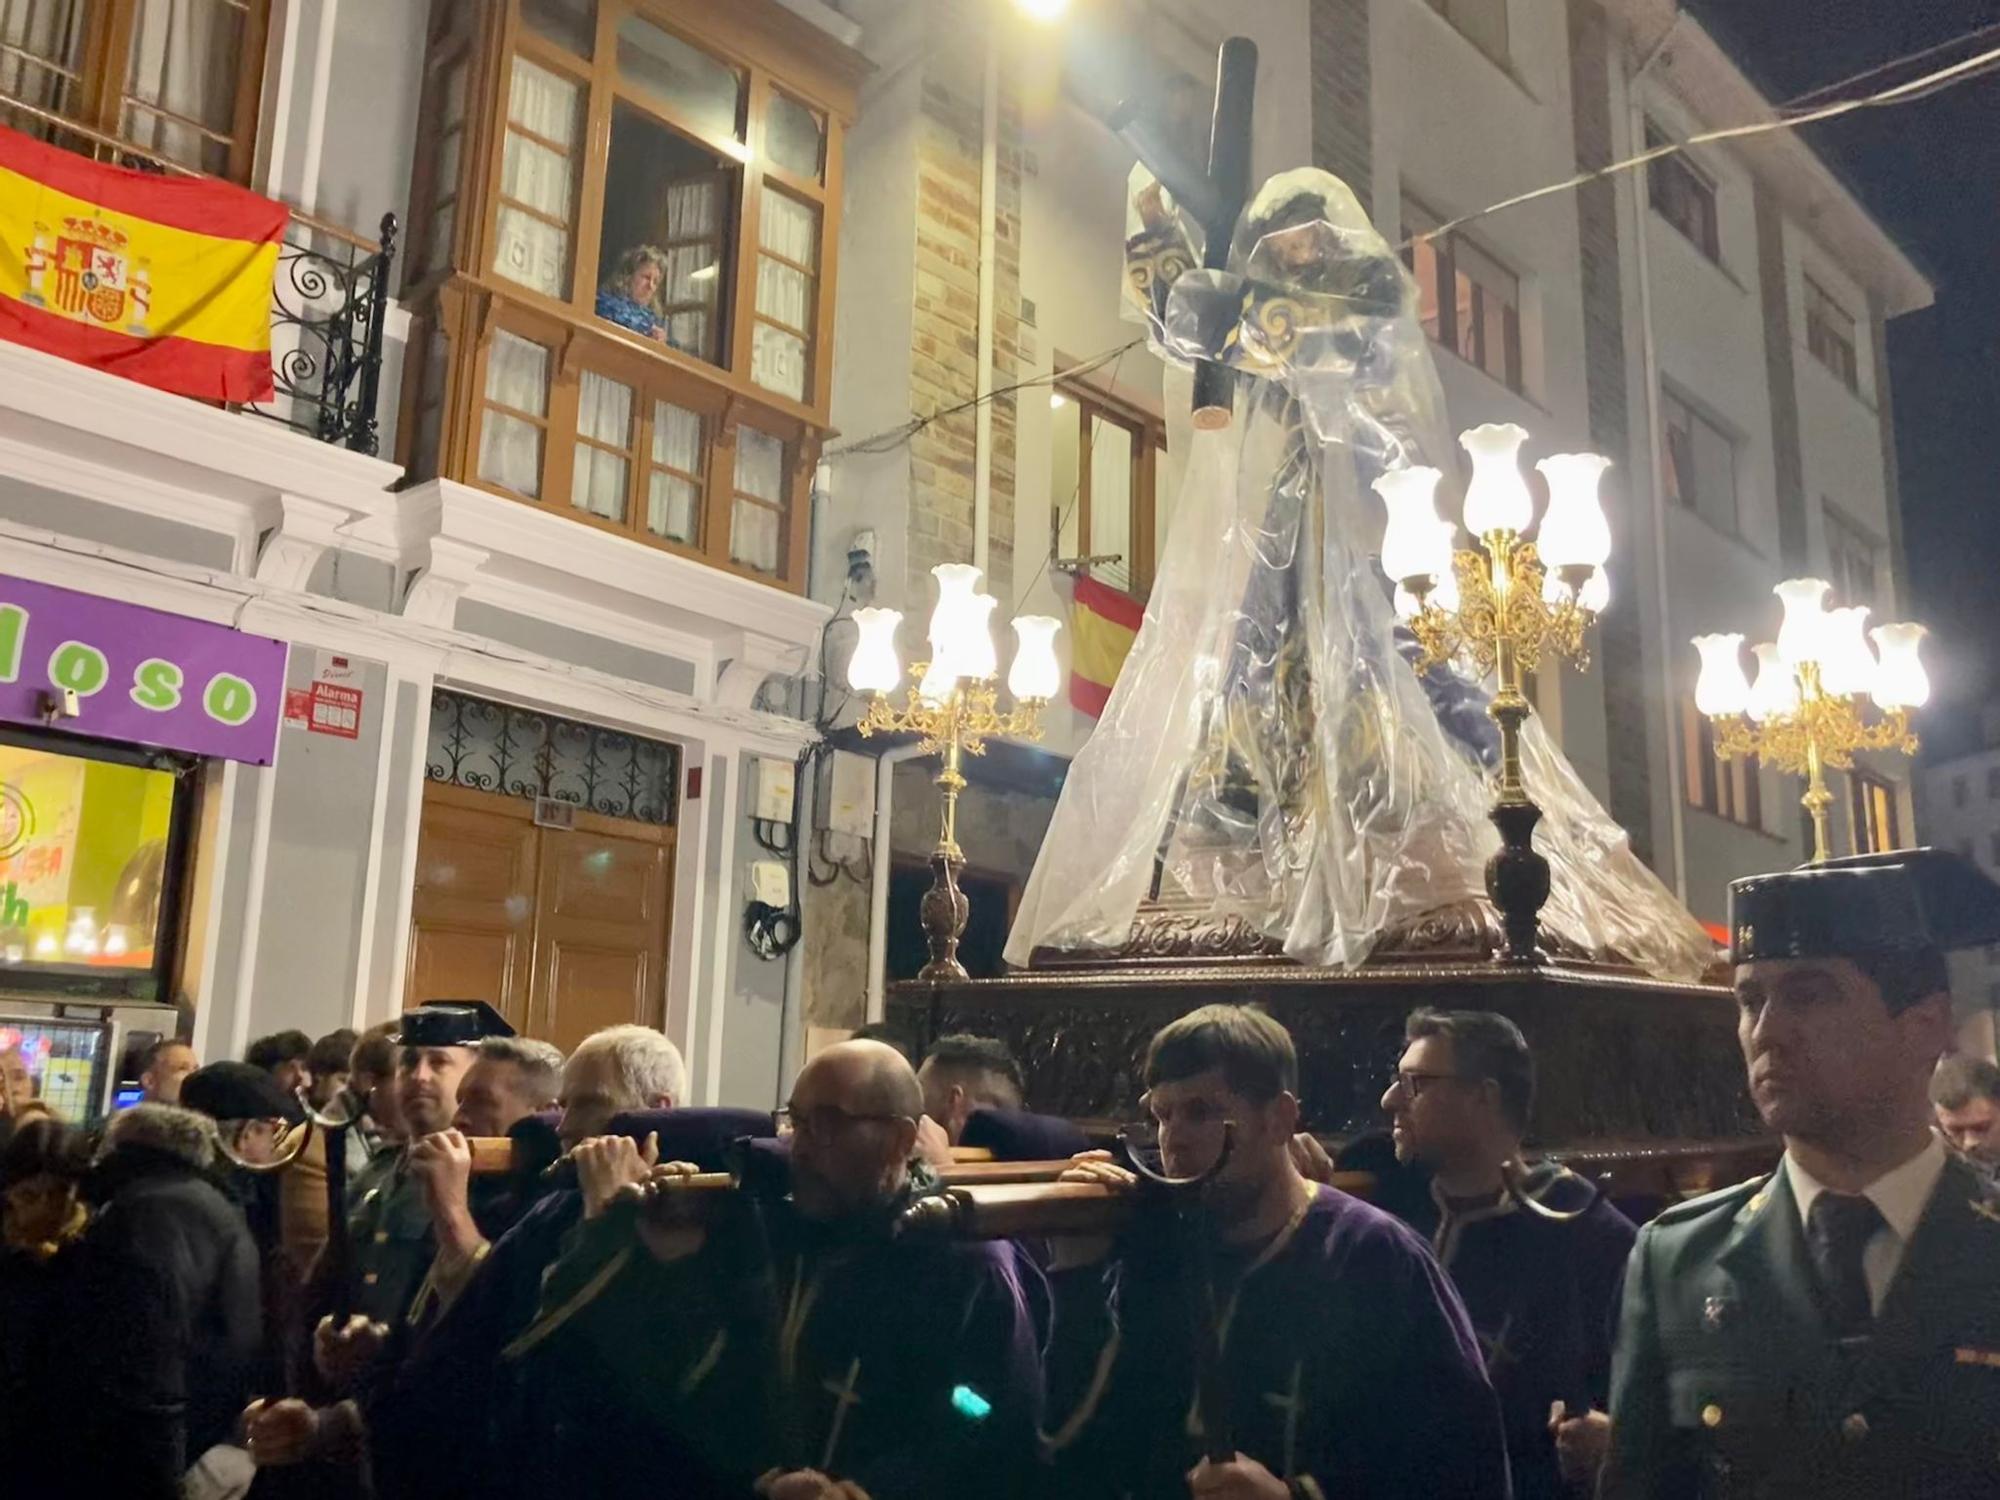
(518, 752)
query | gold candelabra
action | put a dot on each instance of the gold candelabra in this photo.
(1501, 607)
(1821, 695)
(952, 705)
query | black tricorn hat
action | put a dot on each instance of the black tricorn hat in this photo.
(1905, 901)
(451, 1023)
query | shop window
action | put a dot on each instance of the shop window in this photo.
(91, 847)
(1700, 462)
(1682, 195)
(1731, 789)
(1873, 807)
(1105, 488)
(179, 80)
(1830, 335)
(1466, 300)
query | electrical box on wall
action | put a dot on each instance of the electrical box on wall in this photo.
(777, 790)
(847, 792)
(770, 883)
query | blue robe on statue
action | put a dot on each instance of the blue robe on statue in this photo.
(1349, 1366)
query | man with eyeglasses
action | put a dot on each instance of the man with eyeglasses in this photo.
(1542, 1292)
(809, 1353)
(1347, 1365)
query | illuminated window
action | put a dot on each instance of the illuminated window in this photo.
(1466, 300)
(1873, 806)
(1730, 789)
(1699, 460)
(1107, 497)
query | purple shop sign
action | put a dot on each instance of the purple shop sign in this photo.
(139, 675)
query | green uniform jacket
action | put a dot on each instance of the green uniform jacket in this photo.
(393, 1246)
(1727, 1381)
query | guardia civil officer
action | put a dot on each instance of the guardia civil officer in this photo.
(1832, 1330)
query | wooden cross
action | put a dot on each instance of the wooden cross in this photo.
(1291, 1405)
(843, 1397)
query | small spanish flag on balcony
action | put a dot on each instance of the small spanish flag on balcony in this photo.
(1103, 626)
(163, 280)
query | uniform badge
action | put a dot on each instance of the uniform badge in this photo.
(1714, 1312)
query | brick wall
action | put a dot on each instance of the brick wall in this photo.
(1620, 653)
(945, 341)
(1341, 108)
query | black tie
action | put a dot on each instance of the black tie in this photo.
(1838, 1228)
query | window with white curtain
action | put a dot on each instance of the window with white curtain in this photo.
(1104, 487)
(516, 417)
(603, 465)
(538, 179)
(673, 486)
(787, 266)
(756, 517)
(185, 75)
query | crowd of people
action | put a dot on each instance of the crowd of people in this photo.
(188, 1311)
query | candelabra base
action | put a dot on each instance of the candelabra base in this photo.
(944, 912)
(1517, 881)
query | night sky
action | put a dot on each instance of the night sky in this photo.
(1930, 171)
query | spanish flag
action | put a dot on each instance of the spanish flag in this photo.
(1103, 626)
(164, 280)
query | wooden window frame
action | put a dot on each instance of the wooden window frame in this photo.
(1149, 452)
(775, 53)
(1732, 790)
(1864, 788)
(1674, 490)
(1831, 331)
(1444, 249)
(102, 83)
(1677, 169)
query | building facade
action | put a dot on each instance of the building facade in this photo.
(682, 313)
(1958, 808)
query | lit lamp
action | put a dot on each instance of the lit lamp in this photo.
(952, 705)
(1500, 606)
(1821, 692)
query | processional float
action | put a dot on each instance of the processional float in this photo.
(1301, 791)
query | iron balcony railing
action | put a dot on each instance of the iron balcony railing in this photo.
(328, 305)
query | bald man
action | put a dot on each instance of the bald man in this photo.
(851, 1361)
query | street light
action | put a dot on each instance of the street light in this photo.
(1821, 693)
(1500, 606)
(952, 703)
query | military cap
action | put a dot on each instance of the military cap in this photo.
(451, 1023)
(236, 1091)
(1903, 902)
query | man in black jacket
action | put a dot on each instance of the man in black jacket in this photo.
(166, 1308)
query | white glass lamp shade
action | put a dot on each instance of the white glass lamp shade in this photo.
(1596, 591)
(1574, 531)
(1444, 582)
(1801, 638)
(1847, 665)
(1900, 678)
(956, 584)
(1775, 693)
(1498, 498)
(1416, 543)
(937, 684)
(970, 648)
(874, 668)
(1721, 689)
(1035, 675)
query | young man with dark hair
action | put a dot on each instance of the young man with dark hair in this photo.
(1833, 1330)
(1965, 1091)
(1542, 1291)
(284, 1055)
(962, 1073)
(328, 1063)
(1347, 1365)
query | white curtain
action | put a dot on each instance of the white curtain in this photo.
(760, 472)
(527, 250)
(694, 245)
(672, 501)
(510, 450)
(790, 229)
(51, 29)
(185, 59)
(604, 414)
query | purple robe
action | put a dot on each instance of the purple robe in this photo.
(1351, 1369)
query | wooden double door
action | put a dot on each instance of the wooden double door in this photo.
(564, 930)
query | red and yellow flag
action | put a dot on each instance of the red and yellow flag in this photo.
(163, 280)
(1102, 628)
